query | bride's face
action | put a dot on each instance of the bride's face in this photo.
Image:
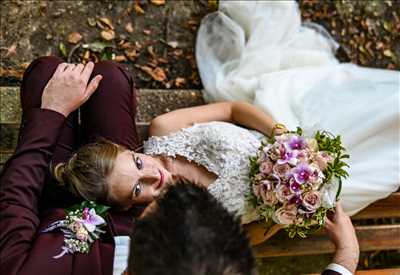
(137, 179)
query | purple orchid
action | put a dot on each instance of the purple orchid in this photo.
(91, 219)
(287, 156)
(302, 173)
(297, 143)
(295, 186)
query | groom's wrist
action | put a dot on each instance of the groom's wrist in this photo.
(347, 257)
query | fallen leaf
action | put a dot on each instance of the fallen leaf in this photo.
(129, 27)
(131, 54)
(173, 44)
(107, 21)
(178, 52)
(180, 82)
(152, 63)
(157, 74)
(126, 45)
(120, 58)
(162, 60)
(212, 5)
(86, 55)
(11, 73)
(146, 32)
(158, 2)
(63, 49)
(74, 37)
(98, 46)
(108, 34)
(138, 9)
(91, 21)
(150, 50)
(387, 53)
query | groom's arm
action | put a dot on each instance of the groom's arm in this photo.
(342, 233)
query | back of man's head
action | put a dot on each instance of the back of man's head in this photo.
(189, 232)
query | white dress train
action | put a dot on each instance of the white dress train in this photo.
(260, 52)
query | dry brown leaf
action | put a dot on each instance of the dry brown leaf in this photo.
(146, 32)
(126, 45)
(178, 52)
(86, 55)
(150, 50)
(120, 58)
(173, 44)
(163, 60)
(24, 65)
(129, 27)
(11, 73)
(180, 82)
(107, 34)
(157, 74)
(74, 37)
(158, 2)
(107, 21)
(138, 9)
(131, 54)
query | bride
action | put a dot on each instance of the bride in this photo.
(259, 53)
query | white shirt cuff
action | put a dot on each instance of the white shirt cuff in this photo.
(339, 268)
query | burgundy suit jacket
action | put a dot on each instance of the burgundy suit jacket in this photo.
(23, 248)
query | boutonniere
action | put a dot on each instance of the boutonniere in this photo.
(81, 227)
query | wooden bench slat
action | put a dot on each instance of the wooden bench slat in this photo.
(385, 208)
(376, 237)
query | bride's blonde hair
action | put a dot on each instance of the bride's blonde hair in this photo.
(85, 173)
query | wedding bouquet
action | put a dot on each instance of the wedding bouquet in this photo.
(295, 179)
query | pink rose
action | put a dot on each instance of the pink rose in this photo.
(281, 170)
(316, 177)
(286, 214)
(274, 153)
(311, 200)
(283, 193)
(75, 226)
(82, 234)
(323, 158)
(267, 193)
(266, 167)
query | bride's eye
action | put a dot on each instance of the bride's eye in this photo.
(138, 162)
(137, 189)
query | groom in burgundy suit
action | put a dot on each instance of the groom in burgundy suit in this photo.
(51, 92)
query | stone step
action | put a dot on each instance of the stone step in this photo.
(151, 104)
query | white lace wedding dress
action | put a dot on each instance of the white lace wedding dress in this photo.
(260, 52)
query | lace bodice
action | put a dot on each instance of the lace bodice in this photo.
(222, 148)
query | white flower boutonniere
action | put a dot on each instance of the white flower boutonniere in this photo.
(80, 227)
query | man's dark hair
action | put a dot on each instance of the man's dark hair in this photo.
(189, 232)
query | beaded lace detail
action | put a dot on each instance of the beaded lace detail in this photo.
(222, 148)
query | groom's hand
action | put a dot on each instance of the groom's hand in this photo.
(342, 233)
(68, 88)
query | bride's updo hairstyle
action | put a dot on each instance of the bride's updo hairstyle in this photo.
(86, 172)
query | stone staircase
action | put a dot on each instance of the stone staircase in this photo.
(151, 104)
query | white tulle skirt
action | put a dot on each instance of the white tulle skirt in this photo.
(260, 52)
